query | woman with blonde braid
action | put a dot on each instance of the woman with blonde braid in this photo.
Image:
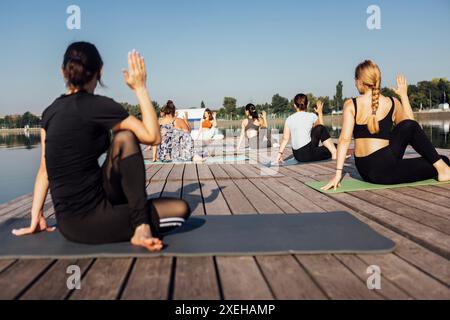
(379, 146)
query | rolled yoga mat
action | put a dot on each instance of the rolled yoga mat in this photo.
(351, 185)
(209, 160)
(238, 235)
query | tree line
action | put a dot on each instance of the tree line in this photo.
(423, 96)
(20, 121)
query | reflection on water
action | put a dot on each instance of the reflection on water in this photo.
(20, 155)
(27, 140)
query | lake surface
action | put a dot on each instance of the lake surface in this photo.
(20, 156)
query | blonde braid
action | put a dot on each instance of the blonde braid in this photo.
(370, 75)
(373, 124)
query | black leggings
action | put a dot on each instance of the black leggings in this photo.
(125, 205)
(312, 151)
(387, 166)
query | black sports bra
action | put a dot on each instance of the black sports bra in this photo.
(361, 131)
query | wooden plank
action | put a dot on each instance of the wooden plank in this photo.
(394, 205)
(154, 189)
(288, 280)
(335, 279)
(15, 203)
(290, 196)
(176, 173)
(248, 171)
(428, 237)
(424, 195)
(242, 280)
(424, 205)
(104, 280)
(281, 203)
(231, 171)
(15, 279)
(53, 284)
(195, 279)
(236, 201)
(435, 190)
(192, 194)
(218, 172)
(416, 283)
(204, 173)
(190, 172)
(258, 199)
(213, 199)
(415, 254)
(4, 264)
(388, 289)
(149, 280)
(162, 174)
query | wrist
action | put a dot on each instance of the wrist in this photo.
(140, 90)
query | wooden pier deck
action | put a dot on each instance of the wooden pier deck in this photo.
(417, 219)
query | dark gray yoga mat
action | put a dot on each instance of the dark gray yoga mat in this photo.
(239, 235)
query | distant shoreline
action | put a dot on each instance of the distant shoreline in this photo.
(337, 119)
(329, 120)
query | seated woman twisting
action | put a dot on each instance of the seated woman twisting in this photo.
(379, 146)
(96, 205)
(306, 131)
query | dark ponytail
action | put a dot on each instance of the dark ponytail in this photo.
(82, 62)
(169, 108)
(301, 102)
(251, 109)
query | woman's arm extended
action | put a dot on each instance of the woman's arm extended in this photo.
(284, 142)
(214, 123)
(147, 130)
(241, 138)
(344, 142)
(319, 111)
(405, 111)
(264, 124)
(38, 223)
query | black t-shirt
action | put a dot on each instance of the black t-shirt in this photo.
(77, 133)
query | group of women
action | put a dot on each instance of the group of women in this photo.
(107, 204)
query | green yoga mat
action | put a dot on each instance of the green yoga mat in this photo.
(350, 185)
(209, 160)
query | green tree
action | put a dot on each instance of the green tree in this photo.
(338, 98)
(202, 105)
(229, 104)
(280, 105)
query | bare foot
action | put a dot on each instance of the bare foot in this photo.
(198, 158)
(143, 238)
(443, 171)
(445, 175)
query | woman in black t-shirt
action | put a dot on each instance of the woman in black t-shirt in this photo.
(96, 205)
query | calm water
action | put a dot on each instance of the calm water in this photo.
(20, 156)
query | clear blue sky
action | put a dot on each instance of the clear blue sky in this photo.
(207, 49)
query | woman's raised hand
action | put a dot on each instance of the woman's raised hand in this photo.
(402, 86)
(319, 107)
(35, 227)
(136, 75)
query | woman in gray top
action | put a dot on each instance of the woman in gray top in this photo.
(306, 131)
